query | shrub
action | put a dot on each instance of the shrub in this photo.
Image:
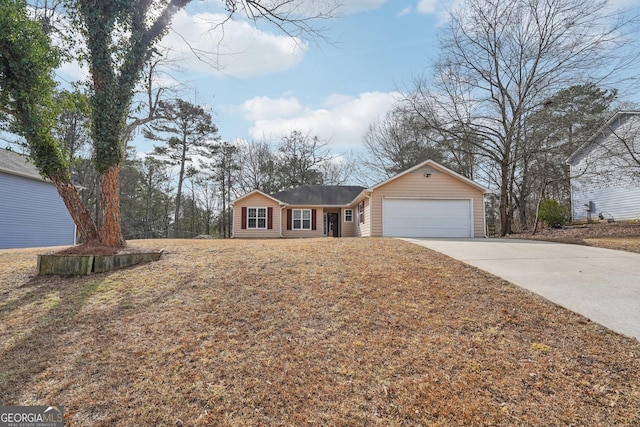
(552, 213)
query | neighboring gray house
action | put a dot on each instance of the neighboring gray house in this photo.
(32, 214)
(605, 172)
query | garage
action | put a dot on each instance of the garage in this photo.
(403, 217)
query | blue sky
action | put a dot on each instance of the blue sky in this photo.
(267, 84)
(261, 84)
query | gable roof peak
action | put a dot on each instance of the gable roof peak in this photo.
(251, 193)
(434, 165)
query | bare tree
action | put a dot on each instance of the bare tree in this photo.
(397, 142)
(145, 107)
(258, 167)
(223, 169)
(207, 196)
(154, 176)
(629, 155)
(337, 171)
(300, 159)
(614, 157)
(502, 59)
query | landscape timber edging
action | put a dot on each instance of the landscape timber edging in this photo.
(64, 264)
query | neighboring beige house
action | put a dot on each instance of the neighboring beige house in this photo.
(427, 200)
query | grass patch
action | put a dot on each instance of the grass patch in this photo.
(305, 332)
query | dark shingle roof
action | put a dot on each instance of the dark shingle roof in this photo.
(316, 195)
(17, 164)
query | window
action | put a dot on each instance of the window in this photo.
(257, 218)
(361, 212)
(302, 219)
(348, 215)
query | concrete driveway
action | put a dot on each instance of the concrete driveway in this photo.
(601, 284)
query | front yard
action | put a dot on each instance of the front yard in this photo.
(340, 332)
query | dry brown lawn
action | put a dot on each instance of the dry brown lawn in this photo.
(336, 332)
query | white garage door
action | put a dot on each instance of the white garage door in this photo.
(426, 218)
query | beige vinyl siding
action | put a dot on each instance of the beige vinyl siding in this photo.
(296, 234)
(362, 229)
(256, 201)
(349, 228)
(439, 185)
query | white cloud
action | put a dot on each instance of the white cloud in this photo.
(428, 6)
(73, 71)
(340, 6)
(438, 8)
(201, 43)
(355, 6)
(405, 11)
(341, 120)
(264, 108)
(311, 8)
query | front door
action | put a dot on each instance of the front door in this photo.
(332, 225)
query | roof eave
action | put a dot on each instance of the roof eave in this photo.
(23, 175)
(318, 205)
(280, 202)
(597, 133)
(364, 193)
(437, 166)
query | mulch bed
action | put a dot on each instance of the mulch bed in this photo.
(344, 332)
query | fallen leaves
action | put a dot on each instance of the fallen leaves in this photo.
(619, 235)
(304, 332)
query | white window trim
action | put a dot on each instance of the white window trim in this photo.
(302, 220)
(361, 209)
(257, 217)
(345, 215)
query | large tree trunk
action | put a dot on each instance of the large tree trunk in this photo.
(110, 224)
(81, 216)
(505, 219)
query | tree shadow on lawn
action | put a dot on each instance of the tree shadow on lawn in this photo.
(49, 308)
(381, 333)
(45, 350)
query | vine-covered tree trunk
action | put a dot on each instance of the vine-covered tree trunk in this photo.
(81, 216)
(110, 224)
